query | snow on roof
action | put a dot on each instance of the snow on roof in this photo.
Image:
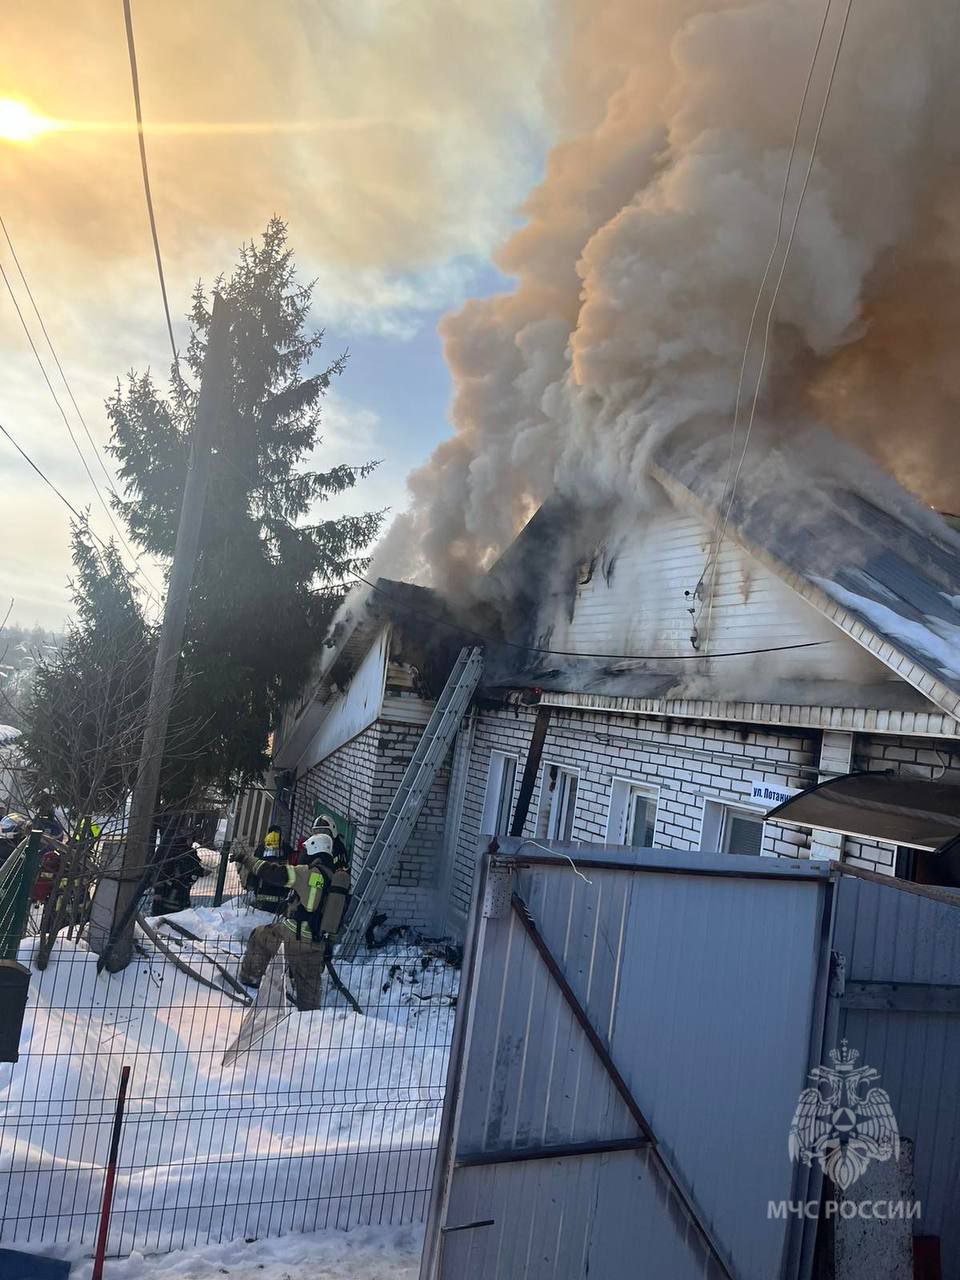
(823, 511)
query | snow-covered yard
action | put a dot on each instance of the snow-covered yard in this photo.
(329, 1121)
(366, 1253)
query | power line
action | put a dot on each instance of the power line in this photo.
(49, 483)
(572, 653)
(726, 504)
(152, 589)
(773, 253)
(81, 519)
(783, 264)
(135, 78)
(56, 358)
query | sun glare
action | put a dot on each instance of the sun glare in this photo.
(20, 123)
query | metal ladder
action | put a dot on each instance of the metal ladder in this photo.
(405, 808)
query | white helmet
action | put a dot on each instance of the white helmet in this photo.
(319, 845)
(325, 826)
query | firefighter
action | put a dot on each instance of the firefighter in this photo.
(179, 871)
(269, 895)
(319, 888)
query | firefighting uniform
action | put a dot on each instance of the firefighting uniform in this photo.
(318, 893)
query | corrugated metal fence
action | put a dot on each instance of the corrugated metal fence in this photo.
(634, 1035)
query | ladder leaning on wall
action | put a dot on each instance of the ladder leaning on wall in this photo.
(394, 831)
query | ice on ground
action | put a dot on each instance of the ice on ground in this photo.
(329, 1121)
(367, 1253)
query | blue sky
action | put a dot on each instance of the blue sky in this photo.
(396, 390)
(397, 141)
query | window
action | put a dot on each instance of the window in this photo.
(558, 803)
(633, 814)
(498, 801)
(742, 832)
(729, 829)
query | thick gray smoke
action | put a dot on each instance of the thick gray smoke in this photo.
(639, 264)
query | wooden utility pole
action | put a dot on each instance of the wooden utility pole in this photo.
(138, 846)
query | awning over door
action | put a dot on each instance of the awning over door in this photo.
(912, 812)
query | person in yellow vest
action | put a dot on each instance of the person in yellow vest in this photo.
(319, 890)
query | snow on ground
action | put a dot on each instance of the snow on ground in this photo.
(366, 1253)
(329, 1121)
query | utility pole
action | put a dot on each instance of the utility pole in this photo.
(138, 846)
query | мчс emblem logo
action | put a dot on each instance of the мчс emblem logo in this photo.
(839, 1125)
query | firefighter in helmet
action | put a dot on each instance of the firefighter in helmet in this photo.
(319, 889)
(269, 894)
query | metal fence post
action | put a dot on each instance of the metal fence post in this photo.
(222, 873)
(16, 907)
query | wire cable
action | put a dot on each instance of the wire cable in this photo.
(135, 79)
(152, 589)
(56, 358)
(49, 483)
(78, 516)
(726, 503)
(766, 273)
(783, 264)
(573, 653)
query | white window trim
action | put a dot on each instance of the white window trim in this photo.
(620, 790)
(545, 768)
(714, 816)
(491, 795)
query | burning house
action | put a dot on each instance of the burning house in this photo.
(664, 676)
(714, 607)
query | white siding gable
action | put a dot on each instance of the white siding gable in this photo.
(637, 596)
(353, 710)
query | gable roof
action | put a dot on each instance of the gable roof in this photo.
(844, 535)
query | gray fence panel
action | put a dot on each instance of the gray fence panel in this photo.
(890, 935)
(703, 985)
(582, 1216)
(533, 1077)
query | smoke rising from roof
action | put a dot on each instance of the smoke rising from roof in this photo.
(644, 246)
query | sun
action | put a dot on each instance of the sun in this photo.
(20, 123)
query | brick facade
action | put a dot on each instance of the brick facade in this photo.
(359, 781)
(928, 758)
(690, 764)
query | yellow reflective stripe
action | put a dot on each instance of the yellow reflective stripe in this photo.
(314, 885)
(291, 877)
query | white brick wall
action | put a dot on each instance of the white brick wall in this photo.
(359, 781)
(688, 763)
(930, 758)
(672, 756)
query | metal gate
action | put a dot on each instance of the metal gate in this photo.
(635, 1029)
(899, 1005)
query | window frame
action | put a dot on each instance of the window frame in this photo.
(714, 828)
(493, 793)
(548, 818)
(622, 792)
